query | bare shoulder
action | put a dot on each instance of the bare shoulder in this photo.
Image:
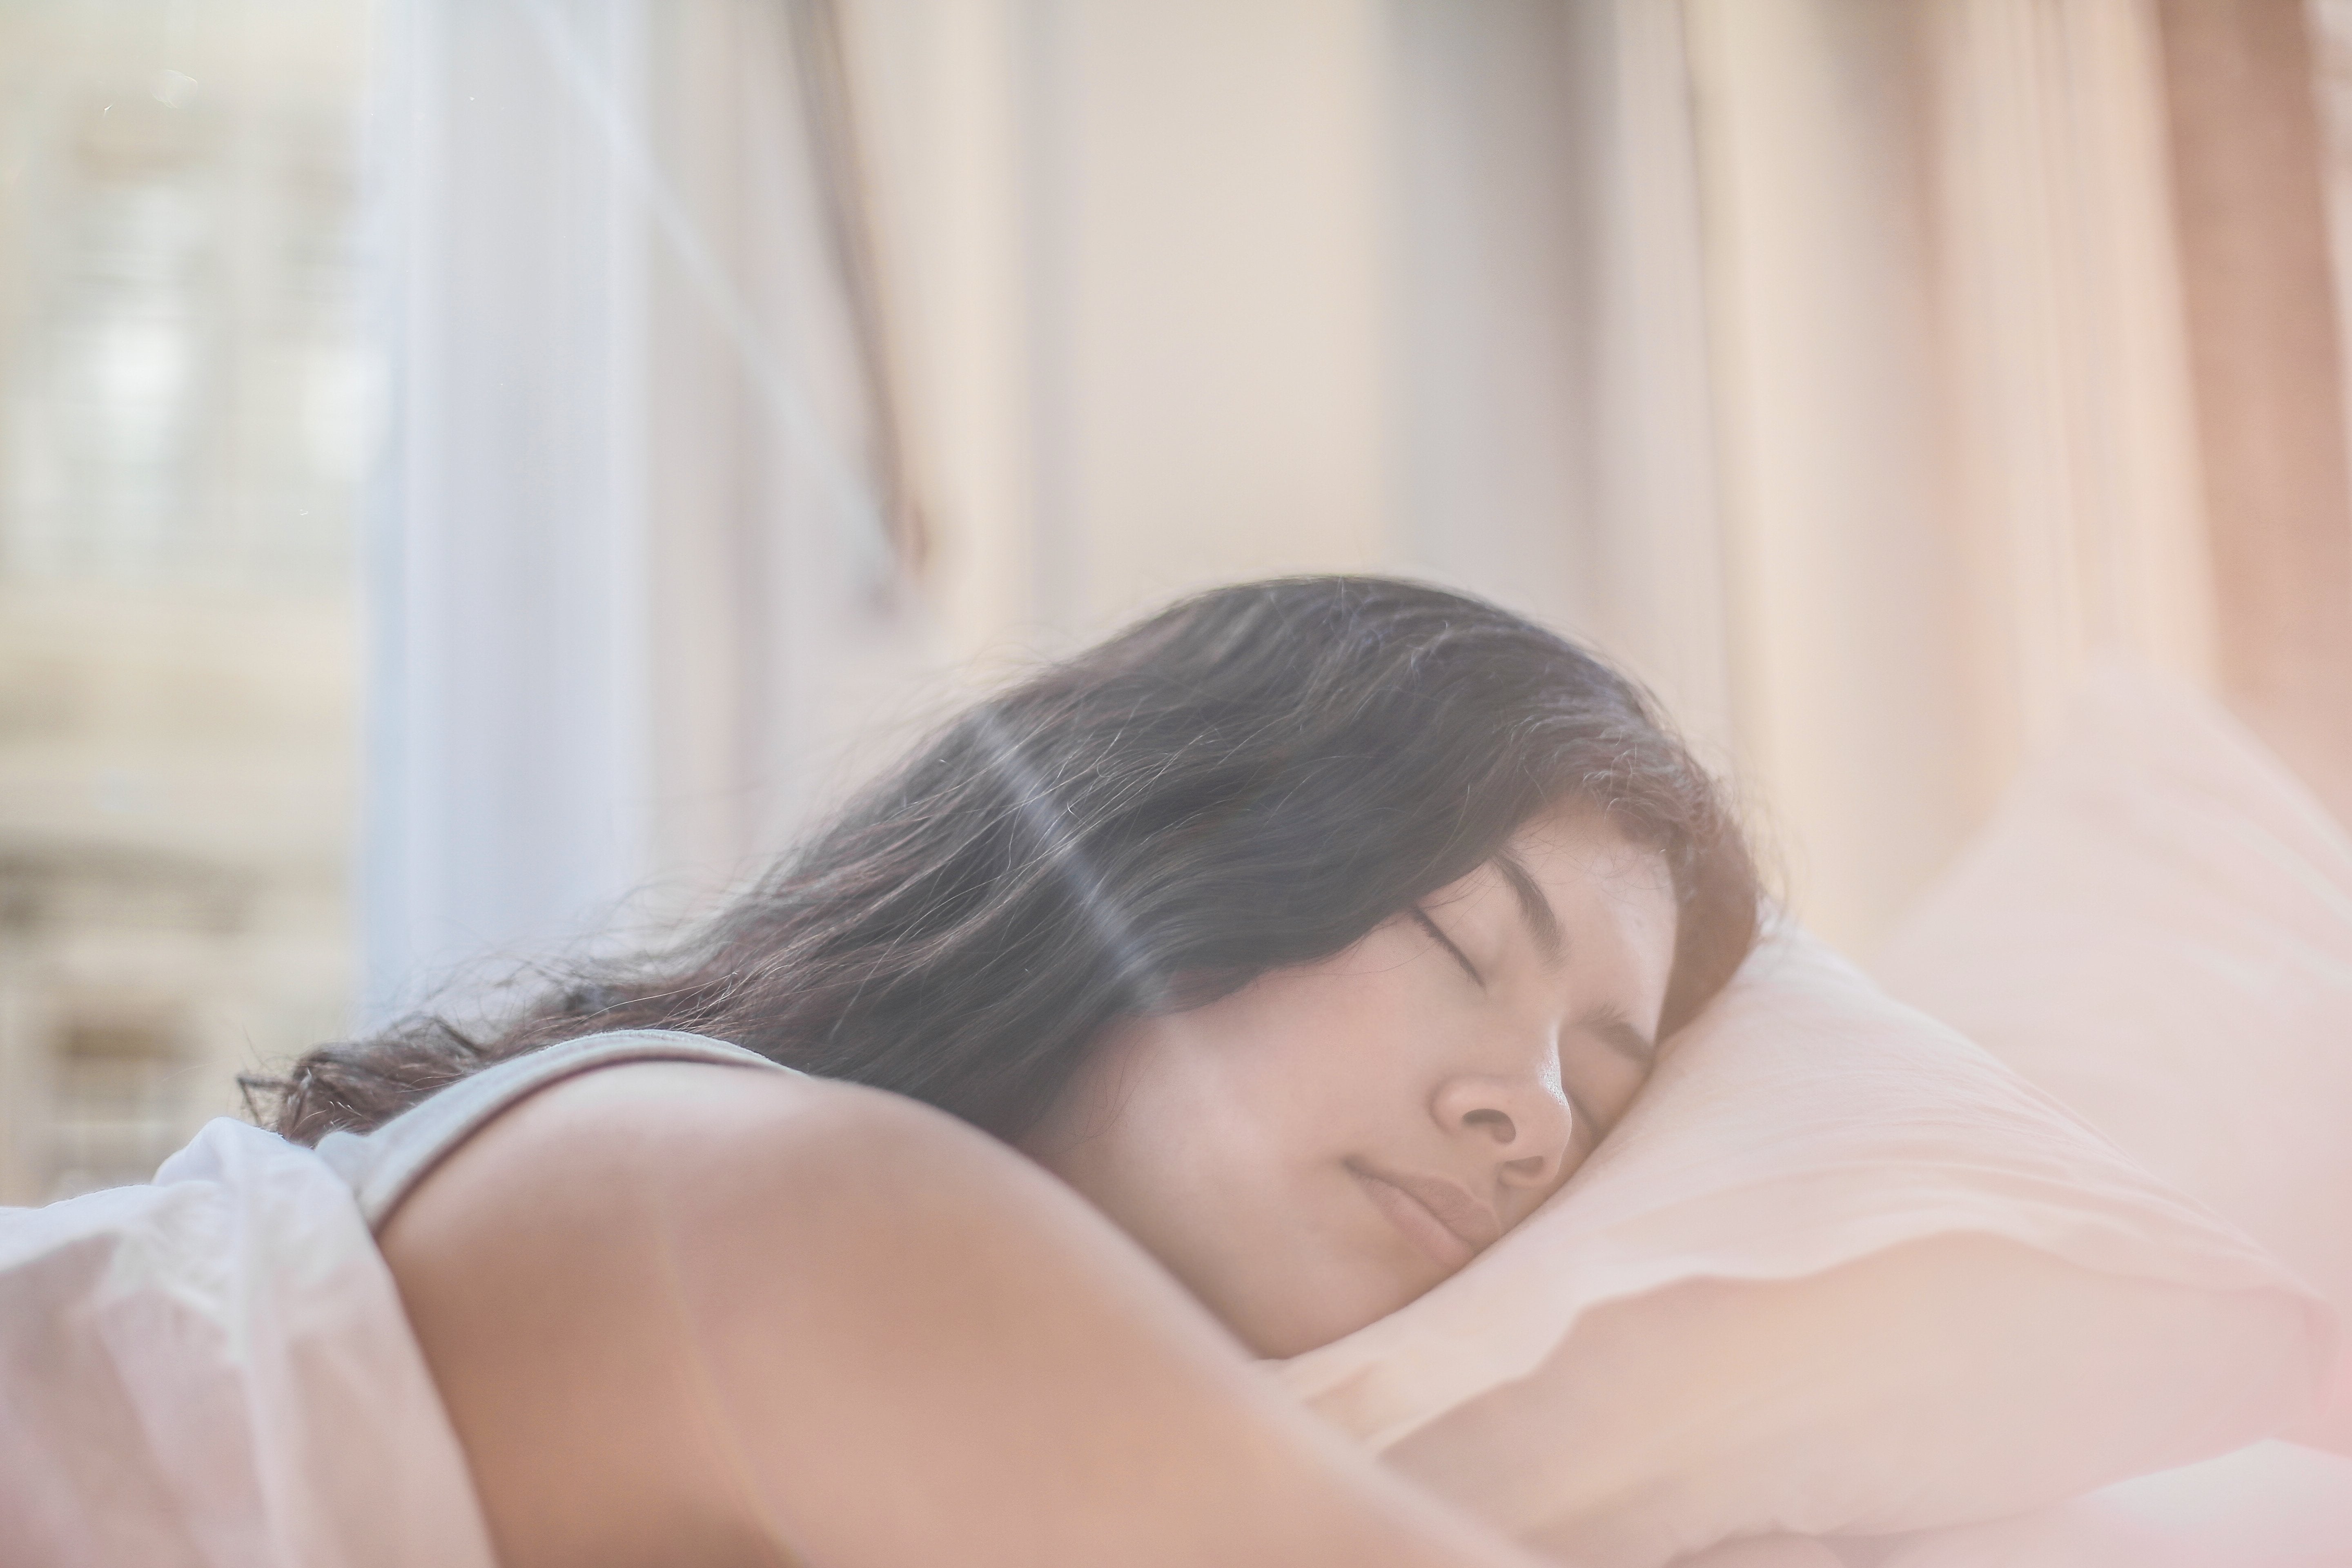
(712, 1132)
(571, 1271)
(679, 1146)
(686, 1312)
(655, 1293)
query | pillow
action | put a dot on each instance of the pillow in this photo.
(2157, 929)
(2274, 1505)
(1837, 1270)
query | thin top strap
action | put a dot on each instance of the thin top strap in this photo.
(383, 1166)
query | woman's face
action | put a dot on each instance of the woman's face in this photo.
(1319, 1147)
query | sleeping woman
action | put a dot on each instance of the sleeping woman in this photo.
(1206, 997)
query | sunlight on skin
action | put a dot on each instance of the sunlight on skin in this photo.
(1321, 1147)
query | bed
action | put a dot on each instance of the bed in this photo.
(2026, 1251)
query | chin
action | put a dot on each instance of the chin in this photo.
(1336, 1312)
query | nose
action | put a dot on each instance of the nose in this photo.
(1523, 1120)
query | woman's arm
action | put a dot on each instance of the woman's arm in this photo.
(684, 1312)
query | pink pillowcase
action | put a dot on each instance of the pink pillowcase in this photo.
(2157, 929)
(2273, 1505)
(1839, 1271)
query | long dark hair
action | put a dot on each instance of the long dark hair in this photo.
(1251, 778)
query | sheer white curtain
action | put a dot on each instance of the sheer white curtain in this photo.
(630, 552)
(508, 713)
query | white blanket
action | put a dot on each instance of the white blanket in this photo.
(216, 1370)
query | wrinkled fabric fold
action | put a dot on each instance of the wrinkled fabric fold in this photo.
(1810, 1134)
(216, 1370)
(2155, 927)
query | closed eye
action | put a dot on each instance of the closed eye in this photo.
(1447, 942)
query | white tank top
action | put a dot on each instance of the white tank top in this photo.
(383, 1167)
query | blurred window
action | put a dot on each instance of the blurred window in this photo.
(186, 411)
(115, 1106)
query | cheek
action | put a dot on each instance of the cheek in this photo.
(1314, 1051)
(1242, 1107)
(1274, 1075)
(1216, 1138)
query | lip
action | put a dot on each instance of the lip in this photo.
(1437, 1215)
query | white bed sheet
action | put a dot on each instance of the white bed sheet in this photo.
(215, 1370)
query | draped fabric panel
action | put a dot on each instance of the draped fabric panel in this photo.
(642, 527)
(1860, 375)
(1954, 393)
(1830, 362)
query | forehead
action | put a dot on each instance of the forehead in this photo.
(1574, 871)
(1583, 841)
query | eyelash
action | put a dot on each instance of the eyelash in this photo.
(1447, 942)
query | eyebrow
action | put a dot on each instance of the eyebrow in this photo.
(1542, 920)
(1606, 1024)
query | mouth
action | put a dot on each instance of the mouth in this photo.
(1436, 1215)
